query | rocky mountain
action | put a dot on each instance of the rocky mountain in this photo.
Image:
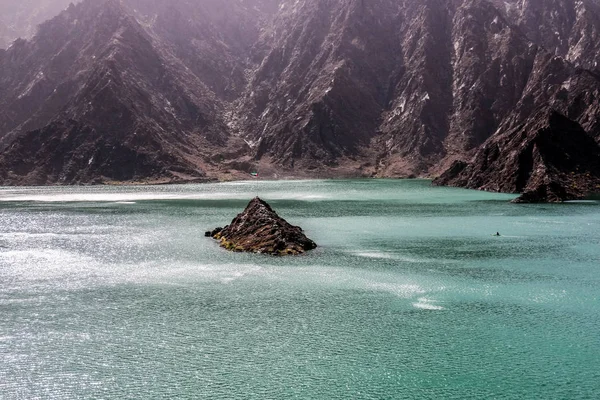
(20, 18)
(548, 158)
(311, 88)
(400, 88)
(316, 98)
(95, 96)
(567, 28)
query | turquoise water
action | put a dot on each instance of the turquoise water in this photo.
(114, 293)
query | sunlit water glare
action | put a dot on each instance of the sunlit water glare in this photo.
(114, 293)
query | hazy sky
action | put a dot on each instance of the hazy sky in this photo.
(19, 18)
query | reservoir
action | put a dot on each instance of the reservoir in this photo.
(114, 292)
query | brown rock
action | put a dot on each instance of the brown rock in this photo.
(550, 158)
(258, 229)
(183, 91)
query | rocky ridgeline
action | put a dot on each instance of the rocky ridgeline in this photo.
(145, 91)
(258, 229)
(548, 159)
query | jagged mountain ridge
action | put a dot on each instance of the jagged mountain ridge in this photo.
(446, 77)
(19, 18)
(547, 158)
(301, 88)
(107, 95)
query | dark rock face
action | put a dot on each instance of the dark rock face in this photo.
(399, 89)
(550, 158)
(147, 90)
(260, 230)
(20, 18)
(94, 97)
(569, 29)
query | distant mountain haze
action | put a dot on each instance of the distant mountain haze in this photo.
(169, 91)
(20, 18)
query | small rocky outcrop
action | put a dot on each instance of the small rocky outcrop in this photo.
(258, 229)
(550, 158)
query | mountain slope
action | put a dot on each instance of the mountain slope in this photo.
(217, 89)
(567, 28)
(129, 100)
(398, 89)
(211, 37)
(548, 158)
(317, 96)
(19, 18)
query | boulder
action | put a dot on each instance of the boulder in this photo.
(213, 233)
(258, 229)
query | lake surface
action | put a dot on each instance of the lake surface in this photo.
(115, 293)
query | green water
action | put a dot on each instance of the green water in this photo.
(114, 293)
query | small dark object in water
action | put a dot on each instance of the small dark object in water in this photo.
(497, 234)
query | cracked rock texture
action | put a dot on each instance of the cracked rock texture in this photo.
(258, 229)
(550, 158)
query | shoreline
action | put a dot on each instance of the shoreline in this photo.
(591, 197)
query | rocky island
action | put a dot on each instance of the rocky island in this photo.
(258, 229)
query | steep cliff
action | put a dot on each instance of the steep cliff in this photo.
(399, 89)
(217, 89)
(549, 158)
(94, 98)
